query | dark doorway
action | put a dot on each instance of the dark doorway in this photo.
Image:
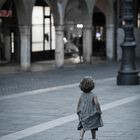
(99, 34)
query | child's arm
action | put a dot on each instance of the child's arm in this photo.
(97, 104)
(78, 104)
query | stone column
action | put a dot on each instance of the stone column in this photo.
(7, 44)
(110, 47)
(87, 44)
(25, 54)
(59, 49)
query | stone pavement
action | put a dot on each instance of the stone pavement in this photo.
(47, 112)
(27, 81)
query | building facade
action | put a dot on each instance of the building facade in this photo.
(34, 30)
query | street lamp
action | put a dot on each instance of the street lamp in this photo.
(128, 74)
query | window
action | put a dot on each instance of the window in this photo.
(37, 29)
(43, 32)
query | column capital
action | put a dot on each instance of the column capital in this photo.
(110, 26)
(24, 26)
(88, 27)
(25, 29)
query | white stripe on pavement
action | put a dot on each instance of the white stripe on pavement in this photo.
(39, 91)
(51, 124)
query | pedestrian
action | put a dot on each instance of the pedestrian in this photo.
(88, 109)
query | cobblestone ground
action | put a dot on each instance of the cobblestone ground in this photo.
(27, 117)
(26, 81)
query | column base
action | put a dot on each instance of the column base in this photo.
(25, 68)
(130, 78)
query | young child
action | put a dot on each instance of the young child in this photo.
(88, 109)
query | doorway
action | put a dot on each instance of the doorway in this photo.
(99, 34)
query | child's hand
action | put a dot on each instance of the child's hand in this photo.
(100, 112)
(98, 109)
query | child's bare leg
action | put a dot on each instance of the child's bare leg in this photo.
(93, 132)
(82, 131)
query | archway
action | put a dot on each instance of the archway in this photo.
(76, 16)
(99, 34)
(43, 32)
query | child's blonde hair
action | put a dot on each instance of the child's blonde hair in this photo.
(87, 84)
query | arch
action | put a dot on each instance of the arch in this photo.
(77, 11)
(107, 9)
(96, 14)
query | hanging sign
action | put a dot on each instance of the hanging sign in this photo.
(5, 13)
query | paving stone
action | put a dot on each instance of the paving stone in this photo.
(16, 114)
